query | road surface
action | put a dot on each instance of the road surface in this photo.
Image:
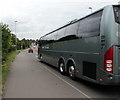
(30, 78)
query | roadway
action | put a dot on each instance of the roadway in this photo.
(30, 78)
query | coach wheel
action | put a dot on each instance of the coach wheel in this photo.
(62, 67)
(71, 71)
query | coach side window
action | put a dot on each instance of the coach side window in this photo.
(52, 37)
(71, 32)
(60, 34)
(90, 26)
(42, 40)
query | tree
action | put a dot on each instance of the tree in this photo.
(6, 40)
(10, 42)
(0, 59)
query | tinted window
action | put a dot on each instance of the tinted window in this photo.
(42, 40)
(90, 26)
(71, 31)
(117, 13)
(52, 37)
(60, 34)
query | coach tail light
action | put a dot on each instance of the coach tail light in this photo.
(108, 60)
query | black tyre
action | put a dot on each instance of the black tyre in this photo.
(62, 67)
(71, 71)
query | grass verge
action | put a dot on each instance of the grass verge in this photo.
(6, 68)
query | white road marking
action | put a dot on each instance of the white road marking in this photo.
(69, 84)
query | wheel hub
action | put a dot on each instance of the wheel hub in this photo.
(61, 67)
(71, 70)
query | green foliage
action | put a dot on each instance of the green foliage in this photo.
(10, 42)
(26, 43)
(0, 45)
(6, 40)
(0, 70)
(7, 63)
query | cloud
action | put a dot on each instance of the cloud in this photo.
(37, 17)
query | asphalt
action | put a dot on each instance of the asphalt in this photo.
(30, 78)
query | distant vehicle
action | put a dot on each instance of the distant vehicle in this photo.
(88, 48)
(30, 50)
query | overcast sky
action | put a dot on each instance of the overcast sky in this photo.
(38, 17)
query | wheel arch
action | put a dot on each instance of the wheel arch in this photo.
(61, 58)
(70, 60)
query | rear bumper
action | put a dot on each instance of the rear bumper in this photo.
(116, 80)
(107, 78)
(112, 80)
